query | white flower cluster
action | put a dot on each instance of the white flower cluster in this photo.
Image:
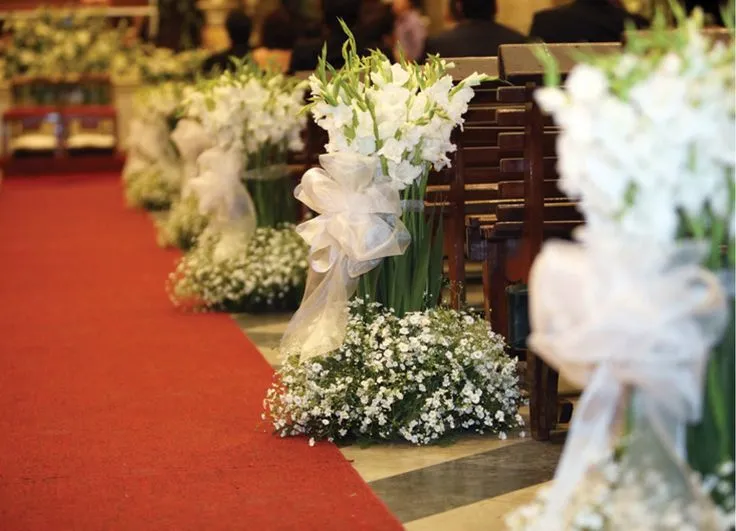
(183, 224)
(63, 42)
(402, 113)
(616, 497)
(161, 101)
(250, 110)
(157, 65)
(646, 140)
(50, 42)
(148, 188)
(266, 272)
(419, 378)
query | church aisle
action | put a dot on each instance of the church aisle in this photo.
(119, 412)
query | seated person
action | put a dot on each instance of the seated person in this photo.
(410, 29)
(376, 26)
(476, 34)
(306, 52)
(277, 40)
(583, 21)
(238, 27)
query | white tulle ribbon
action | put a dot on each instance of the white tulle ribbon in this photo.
(616, 316)
(191, 140)
(220, 192)
(148, 145)
(358, 225)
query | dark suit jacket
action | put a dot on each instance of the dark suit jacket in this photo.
(582, 21)
(473, 38)
(306, 53)
(221, 61)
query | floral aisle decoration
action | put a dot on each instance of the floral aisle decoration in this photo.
(388, 126)
(253, 118)
(64, 44)
(420, 378)
(391, 364)
(255, 114)
(185, 222)
(224, 272)
(61, 42)
(153, 170)
(646, 145)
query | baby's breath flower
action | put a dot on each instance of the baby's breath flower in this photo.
(412, 392)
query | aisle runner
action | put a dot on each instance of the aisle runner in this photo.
(116, 412)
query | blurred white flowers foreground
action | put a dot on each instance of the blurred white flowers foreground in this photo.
(647, 146)
(647, 140)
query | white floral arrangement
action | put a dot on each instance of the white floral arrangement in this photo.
(614, 112)
(183, 224)
(250, 110)
(639, 310)
(152, 171)
(227, 271)
(253, 115)
(59, 43)
(52, 42)
(159, 65)
(611, 495)
(401, 113)
(388, 124)
(398, 367)
(421, 378)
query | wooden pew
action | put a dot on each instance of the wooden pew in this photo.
(471, 183)
(534, 209)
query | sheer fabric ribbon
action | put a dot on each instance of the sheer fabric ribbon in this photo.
(148, 145)
(191, 140)
(224, 198)
(615, 316)
(358, 225)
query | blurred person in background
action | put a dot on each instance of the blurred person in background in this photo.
(239, 28)
(477, 34)
(306, 52)
(410, 29)
(583, 21)
(376, 26)
(278, 35)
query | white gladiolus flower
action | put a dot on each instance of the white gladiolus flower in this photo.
(398, 113)
(641, 159)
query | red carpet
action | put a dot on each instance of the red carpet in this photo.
(116, 412)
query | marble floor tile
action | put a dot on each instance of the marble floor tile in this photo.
(385, 460)
(460, 482)
(480, 516)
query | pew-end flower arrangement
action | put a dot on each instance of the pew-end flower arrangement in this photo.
(640, 310)
(153, 171)
(248, 258)
(390, 363)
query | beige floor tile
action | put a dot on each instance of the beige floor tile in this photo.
(386, 460)
(264, 323)
(482, 516)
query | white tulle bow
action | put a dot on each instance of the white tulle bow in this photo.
(618, 315)
(358, 225)
(148, 145)
(220, 192)
(191, 140)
